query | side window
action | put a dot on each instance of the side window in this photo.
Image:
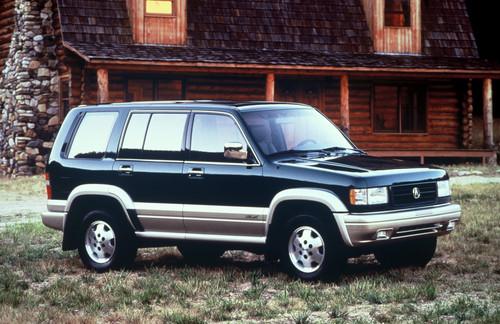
(154, 136)
(210, 133)
(133, 140)
(92, 135)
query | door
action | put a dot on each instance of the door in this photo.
(307, 92)
(223, 194)
(149, 168)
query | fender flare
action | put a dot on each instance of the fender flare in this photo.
(322, 196)
(102, 190)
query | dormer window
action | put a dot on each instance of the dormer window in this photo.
(158, 21)
(159, 7)
(397, 13)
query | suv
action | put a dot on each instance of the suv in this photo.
(278, 179)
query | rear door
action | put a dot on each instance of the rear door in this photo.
(149, 168)
(222, 194)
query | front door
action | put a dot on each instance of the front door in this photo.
(223, 194)
(149, 168)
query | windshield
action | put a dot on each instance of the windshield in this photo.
(294, 130)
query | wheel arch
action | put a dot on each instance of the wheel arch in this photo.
(321, 202)
(88, 197)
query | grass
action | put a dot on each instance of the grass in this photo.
(20, 188)
(40, 283)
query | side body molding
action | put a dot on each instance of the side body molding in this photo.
(323, 196)
(103, 190)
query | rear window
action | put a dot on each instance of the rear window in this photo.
(154, 136)
(92, 136)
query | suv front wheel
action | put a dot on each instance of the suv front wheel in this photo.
(311, 250)
(105, 243)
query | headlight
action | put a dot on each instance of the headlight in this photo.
(443, 188)
(370, 196)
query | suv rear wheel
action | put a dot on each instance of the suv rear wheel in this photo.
(311, 250)
(410, 253)
(105, 243)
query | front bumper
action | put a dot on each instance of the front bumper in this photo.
(367, 228)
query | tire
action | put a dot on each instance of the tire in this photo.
(117, 247)
(311, 250)
(411, 253)
(200, 252)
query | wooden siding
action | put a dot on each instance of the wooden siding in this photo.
(230, 88)
(151, 29)
(6, 29)
(407, 40)
(444, 114)
(443, 121)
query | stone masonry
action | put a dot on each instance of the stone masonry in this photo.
(29, 86)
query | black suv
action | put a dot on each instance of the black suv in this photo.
(273, 178)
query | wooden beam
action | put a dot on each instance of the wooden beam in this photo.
(200, 67)
(344, 104)
(102, 86)
(488, 113)
(270, 87)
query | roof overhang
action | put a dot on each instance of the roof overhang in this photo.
(193, 66)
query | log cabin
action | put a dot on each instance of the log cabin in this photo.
(397, 76)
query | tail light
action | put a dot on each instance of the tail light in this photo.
(47, 186)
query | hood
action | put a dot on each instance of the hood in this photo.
(374, 170)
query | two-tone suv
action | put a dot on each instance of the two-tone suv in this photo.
(274, 178)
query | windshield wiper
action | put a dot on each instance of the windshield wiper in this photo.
(292, 152)
(339, 148)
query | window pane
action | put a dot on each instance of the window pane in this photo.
(159, 7)
(92, 136)
(385, 109)
(134, 136)
(136, 129)
(210, 133)
(413, 112)
(164, 136)
(397, 13)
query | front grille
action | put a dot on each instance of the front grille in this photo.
(403, 194)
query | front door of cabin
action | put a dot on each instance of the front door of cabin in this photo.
(152, 89)
(303, 91)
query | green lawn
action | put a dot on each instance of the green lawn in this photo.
(40, 283)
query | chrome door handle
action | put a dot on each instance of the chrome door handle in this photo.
(196, 172)
(126, 168)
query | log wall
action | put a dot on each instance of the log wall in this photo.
(444, 112)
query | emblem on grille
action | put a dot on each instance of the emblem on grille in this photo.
(416, 192)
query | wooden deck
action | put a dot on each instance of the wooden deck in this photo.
(422, 154)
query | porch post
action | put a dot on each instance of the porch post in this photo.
(344, 103)
(102, 86)
(270, 86)
(488, 113)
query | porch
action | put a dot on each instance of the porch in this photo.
(361, 103)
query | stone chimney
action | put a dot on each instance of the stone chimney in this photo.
(29, 86)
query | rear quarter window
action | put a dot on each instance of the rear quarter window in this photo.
(92, 136)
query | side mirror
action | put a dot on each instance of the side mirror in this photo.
(235, 151)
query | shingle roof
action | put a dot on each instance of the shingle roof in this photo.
(273, 57)
(318, 26)
(447, 29)
(292, 32)
(95, 21)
